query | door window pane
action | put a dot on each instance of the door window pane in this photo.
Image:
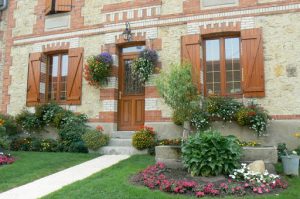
(132, 85)
(213, 72)
(233, 68)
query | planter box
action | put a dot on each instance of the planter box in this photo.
(171, 155)
(267, 154)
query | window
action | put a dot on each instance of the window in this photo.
(57, 77)
(58, 6)
(222, 66)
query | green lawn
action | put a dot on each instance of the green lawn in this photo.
(30, 166)
(113, 183)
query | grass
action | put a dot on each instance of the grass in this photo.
(112, 183)
(30, 166)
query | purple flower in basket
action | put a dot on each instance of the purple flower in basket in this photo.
(105, 57)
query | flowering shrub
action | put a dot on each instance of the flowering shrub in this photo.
(98, 69)
(6, 159)
(94, 139)
(154, 177)
(144, 138)
(175, 142)
(200, 120)
(248, 144)
(144, 65)
(210, 154)
(34, 144)
(260, 183)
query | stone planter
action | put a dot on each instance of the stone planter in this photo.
(267, 154)
(169, 155)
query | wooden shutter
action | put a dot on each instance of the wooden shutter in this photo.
(190, 52)
(253, 63)
(74, 79)
(63, 5)
(48, 6)
(34, 78)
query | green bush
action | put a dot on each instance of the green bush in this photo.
(200, 120)
(178, 91)
(243, 116)
(281, 150)
(210, 154)
(29, 121)
(177, 118)
(47, 112)
(10, 125)
(95, 139)
(34, 144)
(223, 107)
(144, 138)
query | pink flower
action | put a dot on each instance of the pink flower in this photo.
(200, 194)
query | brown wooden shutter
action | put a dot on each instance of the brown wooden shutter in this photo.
(190, 52)
(74, 79)
(63, 5)
(253, 63)
(48, 6)
(33, 79)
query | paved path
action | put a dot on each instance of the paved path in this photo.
(56, 181)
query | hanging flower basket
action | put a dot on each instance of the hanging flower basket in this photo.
(98, 69)
(144, 65)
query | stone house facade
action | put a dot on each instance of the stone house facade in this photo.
(244, 48)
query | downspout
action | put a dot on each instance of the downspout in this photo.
(4, 6)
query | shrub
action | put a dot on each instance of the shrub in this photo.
(200, 120)
(168, 142)
(10, 125)
(47, 112)
(70, 137)
(94, 139)
(222, 107)
(29, 122)
(177, 118)
(243, 116)
(210, 154)
(178, 91)
(281, 150)
(98, 69)
(144, 138)
(34, 144)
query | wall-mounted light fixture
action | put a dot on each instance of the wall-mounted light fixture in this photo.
(3, 4)
(127, 35)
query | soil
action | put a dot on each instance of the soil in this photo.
(181, 174)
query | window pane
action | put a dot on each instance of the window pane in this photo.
(63, 79)
(53, 77)
(213, 75)
(133, 49)
(233, 68)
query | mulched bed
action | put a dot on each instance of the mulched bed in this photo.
(179, 181)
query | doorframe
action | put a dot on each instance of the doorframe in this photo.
(120, 57)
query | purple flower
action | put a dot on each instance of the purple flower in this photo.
(149, 55)
(105, 57)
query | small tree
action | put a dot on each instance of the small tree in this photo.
(178, 91)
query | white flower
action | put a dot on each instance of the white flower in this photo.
(294, 152)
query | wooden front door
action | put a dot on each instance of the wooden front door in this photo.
(131, 111)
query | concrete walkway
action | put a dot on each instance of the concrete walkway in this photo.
(56, 181)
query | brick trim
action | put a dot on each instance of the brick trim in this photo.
(129, 5)
(220, 28)
(11, 22)
(59, 47)
(285, 117)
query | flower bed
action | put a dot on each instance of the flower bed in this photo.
(180, 182)
(6, 159)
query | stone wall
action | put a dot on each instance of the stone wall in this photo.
(166, 23)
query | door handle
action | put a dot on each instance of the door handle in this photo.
(120, 95)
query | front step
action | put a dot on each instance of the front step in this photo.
(122, 134)
(120, 142)
(120, 150)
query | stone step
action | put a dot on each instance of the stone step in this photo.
(120, 150)
(122, 134)
(120, 142)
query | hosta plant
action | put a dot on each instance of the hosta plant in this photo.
(210, 154)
